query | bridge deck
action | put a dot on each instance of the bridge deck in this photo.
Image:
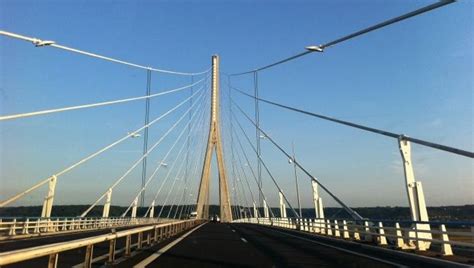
(244, 245)
(231, 245)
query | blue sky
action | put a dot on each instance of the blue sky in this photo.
(414, 77)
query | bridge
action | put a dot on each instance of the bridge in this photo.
(170, 222)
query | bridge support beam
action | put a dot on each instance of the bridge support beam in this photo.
(152, 209)
(134, 207)
(282, 206)
(265, 209)
(106, 210)
(214, 144)
(48, 200)
(318, 201)
(255, 212)
(416, 198)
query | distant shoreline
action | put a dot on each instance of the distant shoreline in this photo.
(439, 213)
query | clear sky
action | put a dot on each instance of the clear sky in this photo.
(415, 77)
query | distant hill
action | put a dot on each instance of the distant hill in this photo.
(444, 213)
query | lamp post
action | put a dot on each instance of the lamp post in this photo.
(293, 161)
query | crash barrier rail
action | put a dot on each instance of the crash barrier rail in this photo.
(154, 234)
(419, 236)
(11, 228)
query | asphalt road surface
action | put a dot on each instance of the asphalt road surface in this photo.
(237, 245)
(244, 245)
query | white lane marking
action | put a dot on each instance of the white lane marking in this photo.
(243, 239)
(157, 254)
(233, 230)
(344, 250)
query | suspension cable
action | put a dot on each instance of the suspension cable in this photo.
(199, 159)
(135, 164)
(353, 213)
(250, 167)
(239, 202)
(369, 129)
(320, 48)
(169, 170)
(91, 105)
(181, 183)
(252, 172)
(245, 176)
(235, 171)
(130, 206)
(240, 178)
(167, 154)
(172, 166)
(265, 165)
(174, 181)
(174, 144)
(45, 43)
(187, 173)
(91, 156)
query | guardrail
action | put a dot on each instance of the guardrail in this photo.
(383, 233)
(155, 233)
(14, 228)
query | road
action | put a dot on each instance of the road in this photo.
(240, 245)
(244, 245)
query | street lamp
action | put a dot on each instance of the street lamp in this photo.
(293, 161)
(134, 134)
(314, 48)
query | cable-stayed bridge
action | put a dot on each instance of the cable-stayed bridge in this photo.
(168, 221)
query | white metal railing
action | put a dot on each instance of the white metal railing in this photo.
(19, 228)
(154, 233)
(382, 233)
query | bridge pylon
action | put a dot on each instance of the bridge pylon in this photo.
(214, 143)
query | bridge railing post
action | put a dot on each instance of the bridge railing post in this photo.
(64, 225)
(12, 231)
(328, 228)
(337, 232)
(400, 243)
(345, 231)
(56, 225)
(26, 227)
(36, 230)
(322, 228)
(160, 233)
(128, 245)
(89, 256)
(53, 260)
(445, 246)
(111, 257)
(148, 238)
(155, 235)
(140, 240)
(367, 235)
(355, 233)
(382, 239)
